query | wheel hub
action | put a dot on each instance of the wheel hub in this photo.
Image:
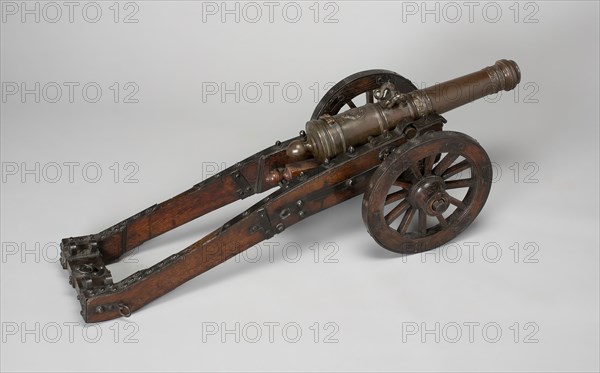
(429, 194)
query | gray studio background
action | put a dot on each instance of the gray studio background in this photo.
(140, 100)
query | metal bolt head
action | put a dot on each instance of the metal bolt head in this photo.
(439, 206)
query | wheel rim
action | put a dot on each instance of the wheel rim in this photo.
(346, 92)
(427, 192)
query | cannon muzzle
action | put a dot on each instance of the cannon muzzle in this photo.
(329, 136)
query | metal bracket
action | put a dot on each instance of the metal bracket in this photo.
(244, 188)
(264, 223)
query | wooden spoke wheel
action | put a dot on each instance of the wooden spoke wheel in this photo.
(357, 90)
(426, 192)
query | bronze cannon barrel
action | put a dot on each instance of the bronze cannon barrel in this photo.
(504, 75)
(329, 136)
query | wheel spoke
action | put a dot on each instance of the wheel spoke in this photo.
(442, 220)
(456, 202)
(351, 104)
(406, 219)
(428, 165)
(422, 221)
(416, 170)
(444, 164)
(462, 183)
(369, 96)
(403, 184)
(396, 212)
(396, 196)
(457, 168)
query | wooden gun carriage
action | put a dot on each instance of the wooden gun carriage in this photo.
(422, 186)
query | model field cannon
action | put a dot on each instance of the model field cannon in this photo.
(422, 186)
